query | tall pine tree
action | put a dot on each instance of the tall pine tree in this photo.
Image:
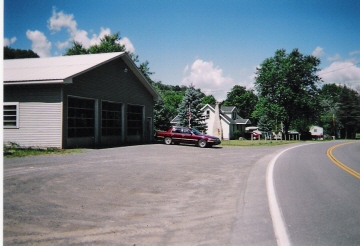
(190, 109)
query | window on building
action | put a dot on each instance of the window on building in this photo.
(81, 117)
(110, 119)
(134, 120)
(207, 116)
(11, 115)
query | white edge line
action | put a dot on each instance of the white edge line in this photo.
(281, 234)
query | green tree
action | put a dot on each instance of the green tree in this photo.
(10, 53)
(289, 85)
(145, 70)
(189, 111)
(109, 43)
(265, 124)
(329, 97)
(349, 112)
(162, 116)
(244, 100)
(76, 49)
(172, 96)
(208, 100)
(267, 111)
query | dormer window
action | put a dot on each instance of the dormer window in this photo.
(207, 116)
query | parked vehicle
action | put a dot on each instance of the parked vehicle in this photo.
(256, 135)
(252, 132)
(179, 134)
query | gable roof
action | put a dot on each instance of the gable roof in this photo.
(223, 111)
(62, 69)
(176, 120)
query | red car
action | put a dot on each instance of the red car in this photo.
(256, 135)
(179, 134)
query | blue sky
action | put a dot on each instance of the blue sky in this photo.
(211, 44)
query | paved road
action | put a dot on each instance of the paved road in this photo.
(319, 200)
(140, 195)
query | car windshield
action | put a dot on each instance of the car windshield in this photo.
(196, 132)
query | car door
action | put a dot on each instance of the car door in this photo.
(177, 135)
(187, 135)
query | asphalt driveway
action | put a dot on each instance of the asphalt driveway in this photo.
(139, 195)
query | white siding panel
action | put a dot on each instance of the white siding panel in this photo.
(226, 129)
(210, 124)
(40, 125)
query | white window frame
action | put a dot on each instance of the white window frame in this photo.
(17, 114)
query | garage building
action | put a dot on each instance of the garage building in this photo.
(82, 101)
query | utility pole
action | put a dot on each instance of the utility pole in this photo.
(189, 114)
(333, 121)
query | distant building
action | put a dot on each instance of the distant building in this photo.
(317, 132)
(82, 101)
(230, 121)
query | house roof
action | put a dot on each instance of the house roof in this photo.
(62, 69)
(223, 111)
(175, 120)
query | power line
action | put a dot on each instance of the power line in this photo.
(339, 69)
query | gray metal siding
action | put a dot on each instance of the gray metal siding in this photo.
(110, 82)
(39, 113)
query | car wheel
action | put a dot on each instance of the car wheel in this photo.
(202, 143)
(168, 140)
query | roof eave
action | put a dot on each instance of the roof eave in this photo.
(32, 82)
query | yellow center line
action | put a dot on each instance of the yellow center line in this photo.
(339, 163)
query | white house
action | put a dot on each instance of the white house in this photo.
(317, 132)
(230, 121)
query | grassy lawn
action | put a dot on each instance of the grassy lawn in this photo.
(254, 143)
(13, 150)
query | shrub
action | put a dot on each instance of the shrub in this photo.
(237, 134)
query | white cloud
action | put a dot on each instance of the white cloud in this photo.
(128, 45)
(186, 68)
(334, 58)
(318, 52)
(61, 20)
(342, 73)
(355, 52)
(209, 79)
(62, 45)
(40, 45)
(247, 77)
(96, 39)
(354, 56)
(8, 42)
